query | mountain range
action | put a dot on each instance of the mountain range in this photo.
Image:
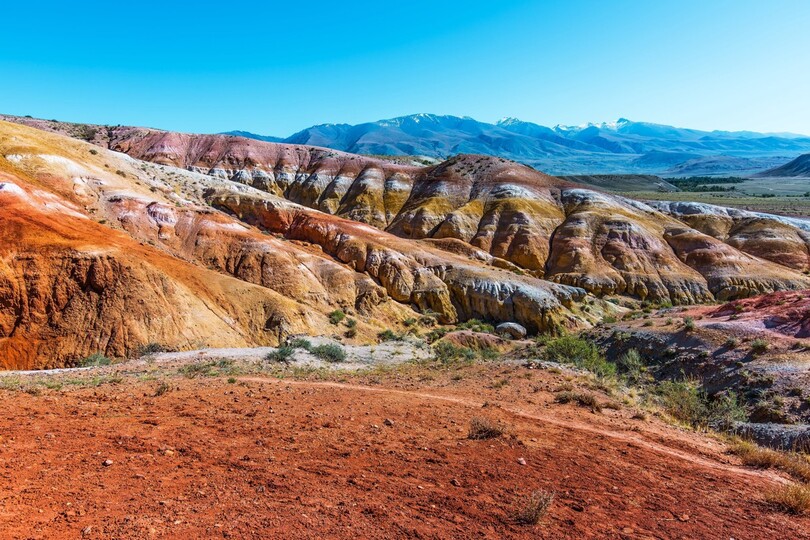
(623, 146)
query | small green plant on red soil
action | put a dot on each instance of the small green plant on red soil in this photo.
(162, 388)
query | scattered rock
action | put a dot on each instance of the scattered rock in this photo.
(388, 422)
(511, 329)
(107, 462)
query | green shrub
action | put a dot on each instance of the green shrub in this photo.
(336, 317)
(731, 343)
(476, 326)
(759, 346)
(410, 321)
(329, 352)
(95, 359)
(151, 348)
(725, 410)
(300, 343)
(631, 365)
(688, 324)
(282, 354)
(447, 353)
(350, 333)
(351, 323)
(389, 335)
(436, 334)
(683, 400)
(579, 352)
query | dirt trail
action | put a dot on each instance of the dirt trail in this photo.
(545, 418)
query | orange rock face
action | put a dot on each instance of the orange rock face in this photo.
(215, 240)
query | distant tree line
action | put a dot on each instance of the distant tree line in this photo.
(705, 183)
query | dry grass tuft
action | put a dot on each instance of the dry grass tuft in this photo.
(795, 464)
(580, 398)
(792, 498)
(532, 509)
(484, 428)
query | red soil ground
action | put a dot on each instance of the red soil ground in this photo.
(270, 458)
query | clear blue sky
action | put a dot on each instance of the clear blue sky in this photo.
(276, 67)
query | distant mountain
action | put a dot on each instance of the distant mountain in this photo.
(249, 135)
(620, 147)
(799, 168)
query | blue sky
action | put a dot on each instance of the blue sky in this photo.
(274, 68)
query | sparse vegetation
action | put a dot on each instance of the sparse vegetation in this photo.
(476, 326)
(631, 365)
(151, 348)
(329, 352)
(532, 509)
(161, 389)
(95, 359)
(211, 368)
(579, 352)
(281, 355)
(731, 343)
(336, 317)
(753, 455)
(300, 343)
(580, 398)
(390, 335)
(792, 498)
(687, 402)
(448, 353)
(483, 428)
(759, 346)
(688, 324)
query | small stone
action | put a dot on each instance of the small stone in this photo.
(388, 422)
(455, 482)
(107, 462)
(168, 453)
(521, 461)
